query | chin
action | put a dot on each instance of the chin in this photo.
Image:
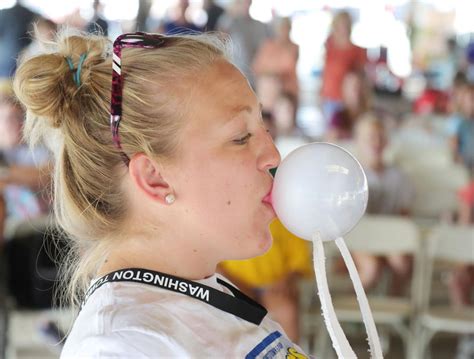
(265, 243)
(260, 245)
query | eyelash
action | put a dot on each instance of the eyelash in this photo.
(243, 140)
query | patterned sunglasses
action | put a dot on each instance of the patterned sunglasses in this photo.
(129, 40)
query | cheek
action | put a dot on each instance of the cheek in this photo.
(218, 185)
(231, 187)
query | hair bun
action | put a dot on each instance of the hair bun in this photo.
(45, 83)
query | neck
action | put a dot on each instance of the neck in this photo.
(376, 165)
(354, 109)
(168, 256)
(341, 41)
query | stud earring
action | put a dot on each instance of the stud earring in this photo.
(170, 198)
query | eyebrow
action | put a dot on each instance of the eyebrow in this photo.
(239, 109)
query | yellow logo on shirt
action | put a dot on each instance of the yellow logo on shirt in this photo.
(293, 354)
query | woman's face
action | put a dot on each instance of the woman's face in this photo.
(342, 28)
(221, 176)
(371, 142)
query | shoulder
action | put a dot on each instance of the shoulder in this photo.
(357, 49)
(125, 321)
(122, 307)
(329, 44)
(123, 344)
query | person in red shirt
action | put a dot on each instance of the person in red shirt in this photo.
(462, 279)
(342, 57)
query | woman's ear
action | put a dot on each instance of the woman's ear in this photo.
(146, 176)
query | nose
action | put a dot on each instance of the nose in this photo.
(269, 156)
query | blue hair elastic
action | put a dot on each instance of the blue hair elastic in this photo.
(76, 76)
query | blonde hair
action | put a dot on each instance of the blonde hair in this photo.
(282, 21)
(89, 204)
(342, 16)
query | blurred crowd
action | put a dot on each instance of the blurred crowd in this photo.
(406, 146)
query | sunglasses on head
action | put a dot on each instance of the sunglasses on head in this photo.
(140, 40)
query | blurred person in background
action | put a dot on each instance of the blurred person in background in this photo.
(247, 35)
(98, 23)
(468, 60)
(275, 66)
(214, 12)
(342, 57)
(390, 193)
(461, 128)
(24, 175)
(432, 100)
(355, 101)
(460, 81)
(178, 21)
(461, 281)
(284, 114)
(459, 107)
(15, 24)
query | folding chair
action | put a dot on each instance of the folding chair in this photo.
(436, 189)
(383, 235)
(448, 244)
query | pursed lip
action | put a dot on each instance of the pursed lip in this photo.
(268, 197)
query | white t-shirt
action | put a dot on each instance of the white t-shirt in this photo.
(134, 320)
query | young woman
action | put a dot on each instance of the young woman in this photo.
(342, 57)
(355, 102)
(275, 66)
(175, 183)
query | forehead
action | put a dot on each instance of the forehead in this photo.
(221, 92)
(371, 130)
(225, 85)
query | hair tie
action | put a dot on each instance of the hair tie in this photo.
(76, 76)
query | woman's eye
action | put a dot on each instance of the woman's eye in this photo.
(243, 140)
